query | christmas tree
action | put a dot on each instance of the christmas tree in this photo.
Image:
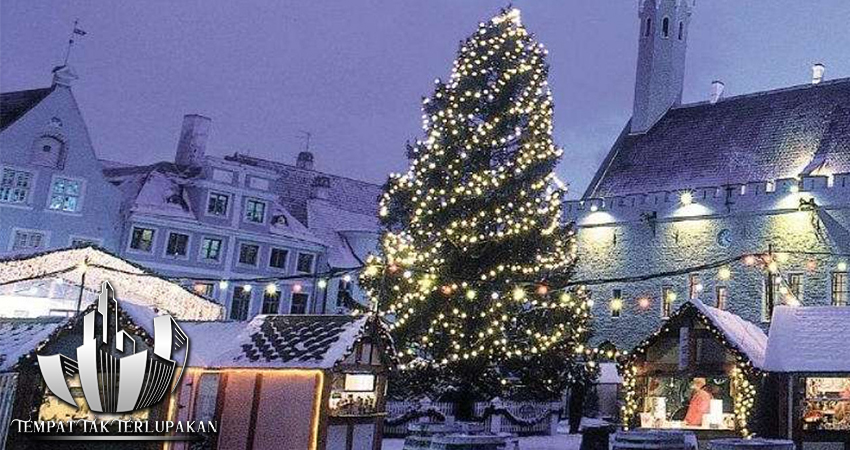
(474, 259)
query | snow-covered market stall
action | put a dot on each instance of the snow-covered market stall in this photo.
(807, 392)
(43, 298)
(314, 382)
(699, 372)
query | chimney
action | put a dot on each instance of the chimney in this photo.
(320, 187)
(817, 73)
(64, 76)
(304, 161)
(193, 140)
(716, 91)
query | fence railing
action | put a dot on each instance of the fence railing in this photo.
(499, 416)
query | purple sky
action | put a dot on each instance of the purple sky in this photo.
(352, 72)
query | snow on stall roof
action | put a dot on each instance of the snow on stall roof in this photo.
(744, 335)
(133, 284)
(19, 337)
(809, 339)
(274, 341)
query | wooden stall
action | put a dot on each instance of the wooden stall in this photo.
(807, 392)
(295, 381)
(698, 372)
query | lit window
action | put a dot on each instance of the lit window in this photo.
(217, 204)
(239, 304)
(15, 186)
(667, 299)
(299, 303)
(359, 382)
(722, 297)
(248, 254)
(665, 27)
(772, 286)
(795, 285)
(205, 289)
(616, 303)
(277, 258)
(694, 286)
(178, 244)
(28, 240)
(255, 211)
(840, 290)
(305, 263)
(271, 302)
(211, 248)
(142, 239)
(343, 293)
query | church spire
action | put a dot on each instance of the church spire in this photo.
(662, 43)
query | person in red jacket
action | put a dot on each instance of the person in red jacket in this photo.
(700, 403)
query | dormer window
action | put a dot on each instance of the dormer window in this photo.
(48, 151)
(665, 27)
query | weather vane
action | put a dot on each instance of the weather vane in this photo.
(77, 31)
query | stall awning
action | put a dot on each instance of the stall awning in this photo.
(809, 339)
(133, 284)
(746, 336)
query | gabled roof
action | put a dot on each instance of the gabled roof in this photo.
(13, 105)
(802, 130)
(744, 335)
(809, 339)
(275, 341)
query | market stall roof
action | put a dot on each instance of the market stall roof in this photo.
(21, 336)
(137, 288)
(809, 339)
(275, 341)
(744, 335)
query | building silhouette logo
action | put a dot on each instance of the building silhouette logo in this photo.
(113, 376)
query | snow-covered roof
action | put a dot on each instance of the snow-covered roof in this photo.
(809, 339)
(331, 223)
(19, 337)
(140, 291)
(274, 341)
(744, 335)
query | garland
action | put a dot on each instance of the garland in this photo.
(516, 420)
(414, 414)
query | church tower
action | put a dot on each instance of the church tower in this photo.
(662, 41)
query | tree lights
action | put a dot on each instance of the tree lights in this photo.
(474, 246)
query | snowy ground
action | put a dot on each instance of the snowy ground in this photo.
(560, 441)
(557, 442)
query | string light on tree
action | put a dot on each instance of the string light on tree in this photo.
(479, 211)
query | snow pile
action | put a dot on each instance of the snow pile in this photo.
(809, 339)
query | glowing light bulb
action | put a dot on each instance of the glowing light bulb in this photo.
(842, 266)
(223, 284)
(271, 288)
(323, 283)
(724, 273)
(296, 288)
(643, 302)
(687, 198)
(246, 288)
(346, 278)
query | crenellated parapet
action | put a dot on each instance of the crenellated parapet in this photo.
(786, 194)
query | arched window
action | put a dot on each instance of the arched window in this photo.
(48, 151)
(681, 30)
(665, 27)
(648, 28)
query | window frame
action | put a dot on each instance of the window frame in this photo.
(203, 258)
(91, 240)
(227, 201)
(153, 239)
(665, 27)
(846, 291)
(667, 307)
(717, 298)
(45, 239)
(681, 32)
(306, 302)
(694, 280)
(285, 258)
(80, 196)
(312, 263)
(801, 292)
(27, 203)
(768, 305)
(256, 256)
(211, 289)
(185, 255)
(256, 201)
(265, 301)
(647, 30)
(616, 294)
(249, 298)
